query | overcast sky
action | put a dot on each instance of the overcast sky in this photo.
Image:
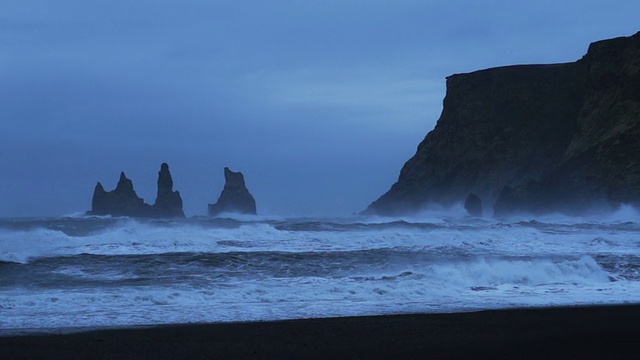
(318, 103)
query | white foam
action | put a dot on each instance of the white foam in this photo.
(433, 214)
(130, 237)
(20, 246)
(530, 272)
(250, 217)
(625, 213)
(458, 266)
(485, 283)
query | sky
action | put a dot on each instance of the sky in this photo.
(318, 103)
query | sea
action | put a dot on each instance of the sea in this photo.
(75, 273)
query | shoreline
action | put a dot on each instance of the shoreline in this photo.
(601, 331)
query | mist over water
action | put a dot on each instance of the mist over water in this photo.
(101, 272)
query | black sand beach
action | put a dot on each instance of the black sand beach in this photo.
(602, 332)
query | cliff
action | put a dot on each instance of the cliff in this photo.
(235, 197)
(533, 138)
(123, 200)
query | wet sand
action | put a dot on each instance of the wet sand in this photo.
(601, 332)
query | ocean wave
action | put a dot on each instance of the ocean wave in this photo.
(26, 239)
(178, 290)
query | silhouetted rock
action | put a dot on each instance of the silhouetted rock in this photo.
(235, 197)
(536, 138)
(123, 200)
(473, 205)
(168, 202)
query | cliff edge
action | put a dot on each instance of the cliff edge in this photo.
(532, 138)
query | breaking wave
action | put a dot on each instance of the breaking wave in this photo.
(88, 271)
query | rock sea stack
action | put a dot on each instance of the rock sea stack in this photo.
(168, 202)
(123, 200)
(235, 197)
(533, 138)
(473, 205)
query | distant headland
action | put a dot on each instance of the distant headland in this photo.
(532, 138)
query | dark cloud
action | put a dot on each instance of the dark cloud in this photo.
(318, 103)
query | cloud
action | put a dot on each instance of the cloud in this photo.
(372, 97)
(319, 103)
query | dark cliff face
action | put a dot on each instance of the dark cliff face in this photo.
(235, 197)
(123, 200)
(536, 137)
(604, 155)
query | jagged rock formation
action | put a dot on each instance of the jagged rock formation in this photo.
(235, 197)
(536, 138)
(473, 205)
(168, 202)
(123, 200)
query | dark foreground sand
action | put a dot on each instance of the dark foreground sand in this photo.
(611, 332)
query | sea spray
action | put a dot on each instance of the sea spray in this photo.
(120, 272)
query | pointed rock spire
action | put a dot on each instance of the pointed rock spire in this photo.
(99, 189)
(168, 202)
(235, 197)
(165, 182)
(123, 200)
(98, 198)
(125, 186)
